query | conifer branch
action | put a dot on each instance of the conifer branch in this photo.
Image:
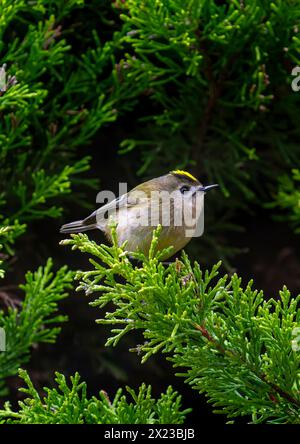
(234, 346)
(70, 404)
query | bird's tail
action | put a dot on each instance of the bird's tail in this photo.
(79, 226)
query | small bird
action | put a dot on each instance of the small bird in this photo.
(164, 200)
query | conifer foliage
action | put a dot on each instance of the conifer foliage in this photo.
(228, 341)
(198, 84)
(69, 404)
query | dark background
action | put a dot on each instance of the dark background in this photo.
(268, 254)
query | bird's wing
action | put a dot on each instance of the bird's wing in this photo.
(100, 216)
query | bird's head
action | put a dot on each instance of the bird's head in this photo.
(185, 184)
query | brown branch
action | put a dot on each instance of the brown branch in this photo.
(209, 337)
(281, 392)
(7, 298)
(262, 377)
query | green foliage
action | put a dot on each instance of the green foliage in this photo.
(288, 198)
(214, 78)
(11, 233)
(51, 104)
(69, 404)
(235, 346)
(3, 233)
(216, 82)
(204, 62)
(36, 320)
(200, 84)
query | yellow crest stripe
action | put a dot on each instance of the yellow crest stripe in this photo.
(184, 173)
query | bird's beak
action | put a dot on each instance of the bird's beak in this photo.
(207, 187)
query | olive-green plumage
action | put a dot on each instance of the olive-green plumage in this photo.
(158, 201)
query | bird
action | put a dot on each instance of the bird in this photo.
(164, 200)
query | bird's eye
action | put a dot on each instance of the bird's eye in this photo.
(184, 189)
